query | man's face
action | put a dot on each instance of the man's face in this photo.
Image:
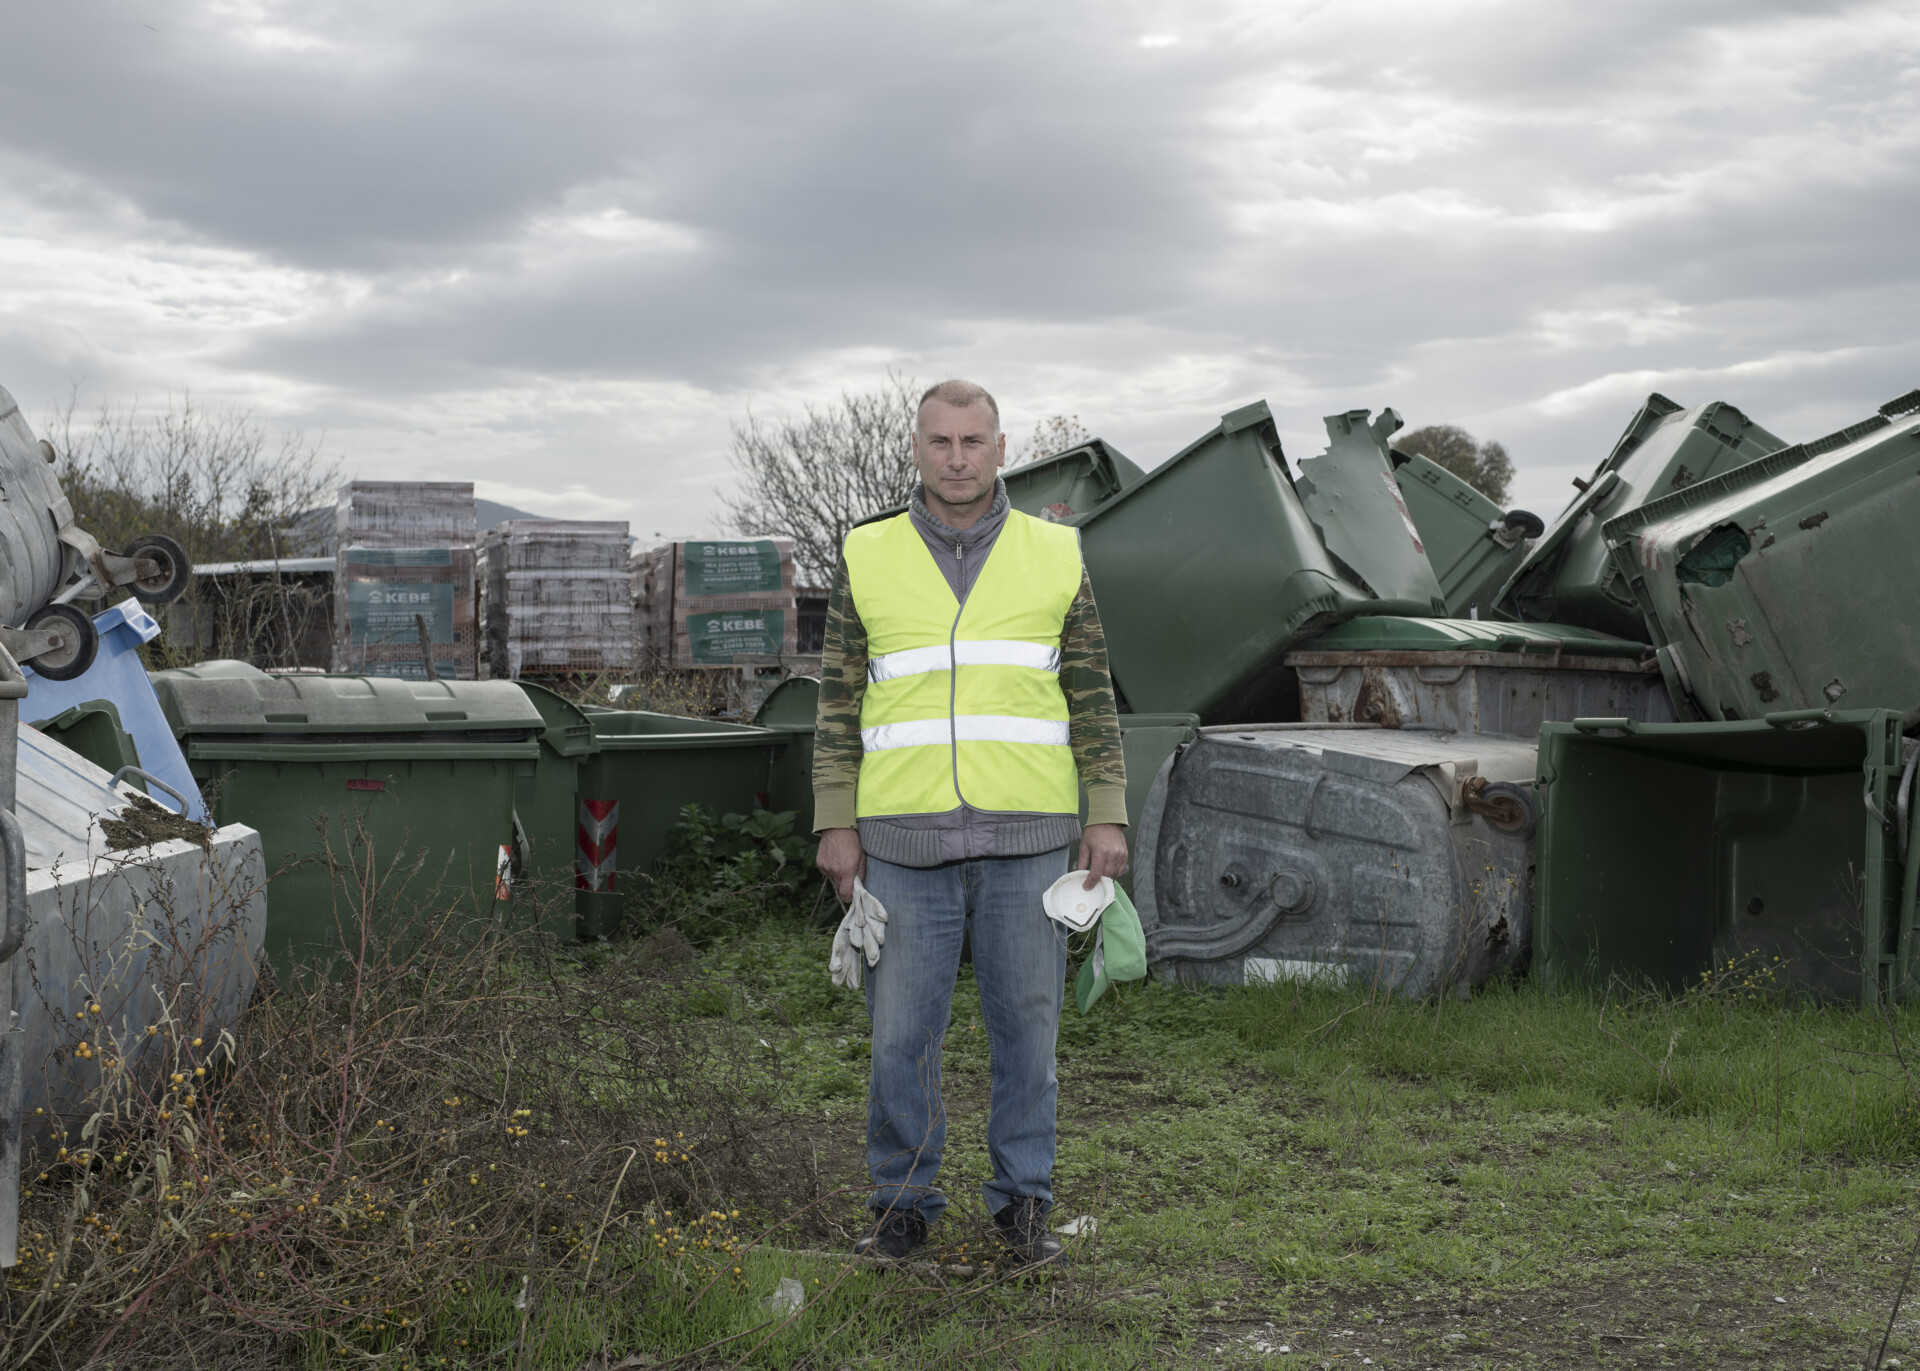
(957, 451)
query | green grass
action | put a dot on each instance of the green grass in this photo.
(1523, 1179)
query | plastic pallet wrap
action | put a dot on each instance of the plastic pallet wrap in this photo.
(557, 597)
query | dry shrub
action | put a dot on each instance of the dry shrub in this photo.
(457, 1104)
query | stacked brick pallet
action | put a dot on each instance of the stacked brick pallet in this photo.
(556, 597)
(405, 560)
(715, 602)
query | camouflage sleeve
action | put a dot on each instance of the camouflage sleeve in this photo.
(836, 730)
(1093, 722)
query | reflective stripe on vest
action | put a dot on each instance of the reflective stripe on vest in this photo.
(916, 660)
(968, 728)
(963, 704)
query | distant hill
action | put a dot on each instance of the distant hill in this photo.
(311, 533)
(487, 513)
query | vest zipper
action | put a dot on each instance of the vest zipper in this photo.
(953, 691)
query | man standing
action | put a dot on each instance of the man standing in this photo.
(964, 697)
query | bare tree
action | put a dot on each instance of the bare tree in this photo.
(812, 479)
(1055, 433)
(1484, 466)
(218, 483)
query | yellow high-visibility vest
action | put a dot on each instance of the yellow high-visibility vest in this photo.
(963, 703)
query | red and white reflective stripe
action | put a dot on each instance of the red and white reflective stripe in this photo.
(918, 661)
(597, 844)
(966, 728)
(503, 874)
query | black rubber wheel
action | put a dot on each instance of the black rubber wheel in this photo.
(79, 642)
(176, 570)
(1531, 525)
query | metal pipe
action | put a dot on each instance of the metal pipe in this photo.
(151, 779)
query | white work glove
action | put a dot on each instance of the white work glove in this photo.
(862, 931)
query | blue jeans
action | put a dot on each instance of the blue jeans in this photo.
(1020, 965)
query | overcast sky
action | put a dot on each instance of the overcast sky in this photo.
(557, 248)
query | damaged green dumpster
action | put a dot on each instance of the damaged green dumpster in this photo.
(1767, 849)
(1473, 545)
(1567, 576)
(1212, 565)
(1790, 582)
(1070, 483)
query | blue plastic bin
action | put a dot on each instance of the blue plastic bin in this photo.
(118, 674)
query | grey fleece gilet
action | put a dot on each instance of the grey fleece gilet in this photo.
(923, 840)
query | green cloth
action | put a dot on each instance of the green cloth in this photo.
(1119, 953)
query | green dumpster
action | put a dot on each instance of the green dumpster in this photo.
(1473, 544)
(1567, 576)
(790, 709)
(1147, 742)
(1766, 848)
(414, 779)
(93, 730)
(1788, 583)
(1071, 482)
(546, 801)
(644, 769)
(1209, 567)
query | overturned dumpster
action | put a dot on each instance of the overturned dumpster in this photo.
(1213, 564)
(1567, 576)
(1473, 544)
(1473, 676)
(1783, 852)
(1387, 860)
(1788, 582)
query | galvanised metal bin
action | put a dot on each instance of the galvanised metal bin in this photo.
(1771, 846)
(1791, 582)
(1473, 544)
(413, 778)
(1474, 676)
(1567, 576)
(1210, 567)
(1399, 862)
(644, 769)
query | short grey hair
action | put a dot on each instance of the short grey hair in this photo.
(960, 394)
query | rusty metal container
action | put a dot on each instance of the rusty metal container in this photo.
(1473, 676)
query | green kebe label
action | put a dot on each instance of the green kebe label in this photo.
(382, 611)
(724, 568)
(719, 637)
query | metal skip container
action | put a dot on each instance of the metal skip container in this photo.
(1790, 582)
(1781, 849)
(1373, 858)
(1213, 564)
(1567, 576)
(1473, 676)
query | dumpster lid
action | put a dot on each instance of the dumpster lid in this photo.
(302, 706)
(1394, 634)
(791, 704)
(566, 728)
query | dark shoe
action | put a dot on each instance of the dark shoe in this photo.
(1023, 1228)
(896, 1233)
